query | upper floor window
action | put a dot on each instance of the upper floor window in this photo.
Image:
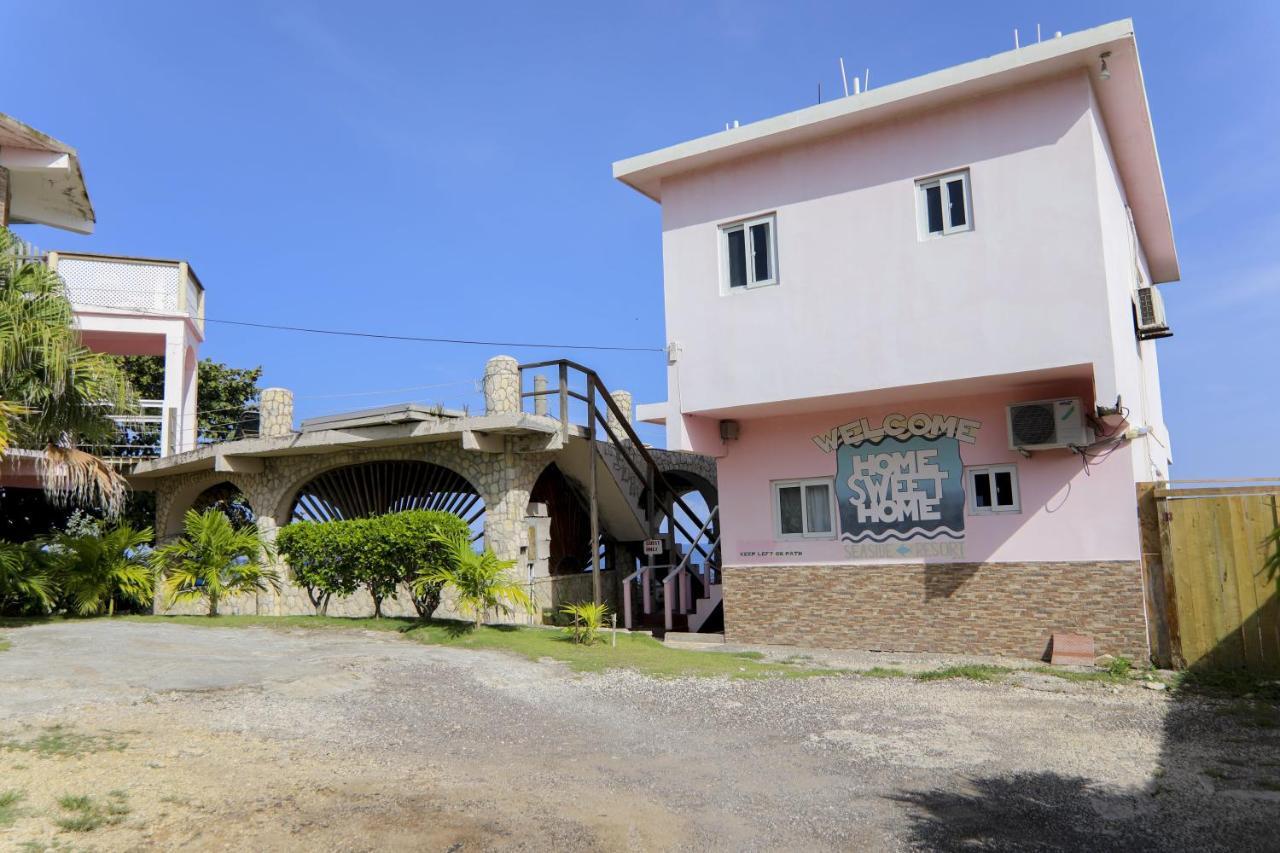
(992, 488)
(943, 204)
(749, 253)
(803, 509)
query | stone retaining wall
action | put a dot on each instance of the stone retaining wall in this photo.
(969, 608)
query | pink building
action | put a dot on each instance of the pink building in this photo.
(916, 327)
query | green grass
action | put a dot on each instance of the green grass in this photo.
(1095, 675)
(972, 671)
(634, 651)
(5, 645)
(9, 809)
(62, 742)
(881, 672)
(85, 814)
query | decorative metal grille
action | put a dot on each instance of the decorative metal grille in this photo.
(378, 488)
(131, 285)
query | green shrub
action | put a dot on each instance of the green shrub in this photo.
(332, 558)
(480, 580)
(587, 620)
(1119, 667)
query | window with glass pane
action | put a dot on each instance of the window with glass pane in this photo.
(944, 204)
(817, 505)
(803, 509)
(749, 252)
(992, 489)
(790, 511)
(760, 251)
(933, 205)
(982, 490)
(956, 206)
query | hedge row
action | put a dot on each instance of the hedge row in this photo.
(331, 558)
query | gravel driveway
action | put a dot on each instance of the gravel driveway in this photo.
(248, 738)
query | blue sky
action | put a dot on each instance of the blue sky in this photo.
(444, 169)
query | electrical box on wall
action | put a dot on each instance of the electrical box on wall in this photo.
(1048, 424)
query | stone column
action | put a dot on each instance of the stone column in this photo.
(539, 403)
(275, 412)
(501, 386)
(621, 399)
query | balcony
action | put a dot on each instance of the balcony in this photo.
(131, 285)
(141, 434)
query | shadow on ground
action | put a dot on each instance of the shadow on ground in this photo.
(1216, 787)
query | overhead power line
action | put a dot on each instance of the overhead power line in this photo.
(386, 337)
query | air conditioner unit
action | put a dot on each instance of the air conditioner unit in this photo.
(1148, 314)
(1048, 424)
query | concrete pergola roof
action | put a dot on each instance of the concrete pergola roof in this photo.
(46, 185)
(368, 428)
(1122, 101)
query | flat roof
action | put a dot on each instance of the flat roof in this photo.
(1122, 101)
(398, 413)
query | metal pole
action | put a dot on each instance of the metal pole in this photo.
(595, 509)
(649, 531)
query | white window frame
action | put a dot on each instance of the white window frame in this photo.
(971, 492)
(922, 205)
(778, 485)
(770, 219)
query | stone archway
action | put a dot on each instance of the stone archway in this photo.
(365, 489)
(201, 491)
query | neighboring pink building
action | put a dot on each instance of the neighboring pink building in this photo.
(862, 296)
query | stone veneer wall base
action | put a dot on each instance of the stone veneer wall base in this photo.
(959, 608)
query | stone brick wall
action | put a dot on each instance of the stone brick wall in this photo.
(970, 608)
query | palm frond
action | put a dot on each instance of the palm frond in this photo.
(72, 476)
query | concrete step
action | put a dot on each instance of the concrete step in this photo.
(686, 638)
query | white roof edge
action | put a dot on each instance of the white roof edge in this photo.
(874, 98)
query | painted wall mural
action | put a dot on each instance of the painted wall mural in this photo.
(901, 481)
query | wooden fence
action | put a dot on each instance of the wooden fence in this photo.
(1210, 602)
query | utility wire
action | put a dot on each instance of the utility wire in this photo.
(384, 337)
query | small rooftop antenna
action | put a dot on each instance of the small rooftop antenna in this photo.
(1015, 39)
(844, 77)
(1037, 33)
(866, 80)
(857, 85)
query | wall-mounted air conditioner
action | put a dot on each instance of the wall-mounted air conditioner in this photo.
(1048, 424)
(1148, 314)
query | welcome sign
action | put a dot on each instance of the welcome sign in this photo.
(902, 480)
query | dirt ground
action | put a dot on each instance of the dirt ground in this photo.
(256, 739)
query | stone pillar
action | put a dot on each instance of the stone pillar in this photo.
(275, 412)
(621, 399)
(539, 403)
(536, 562)
(501, 386)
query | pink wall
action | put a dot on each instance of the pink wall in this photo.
(1067, 514)
(862, 302)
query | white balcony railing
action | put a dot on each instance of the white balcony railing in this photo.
(139, 285)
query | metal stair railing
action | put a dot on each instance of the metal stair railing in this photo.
(680, 576)
(631, 449)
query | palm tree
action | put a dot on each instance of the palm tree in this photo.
(214, 559)
(480, 580)
(55, 393)
(95, 569)
(24, 581)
